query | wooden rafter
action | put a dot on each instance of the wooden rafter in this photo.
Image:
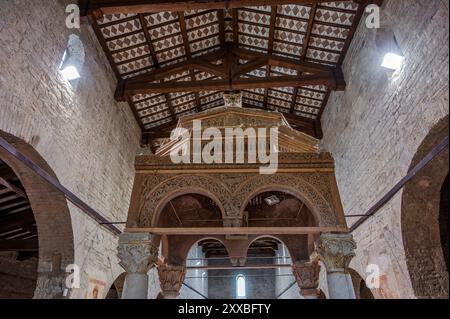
(320, 75)
(140, 6)
(187, 49)
(164, 24)
(273, 19)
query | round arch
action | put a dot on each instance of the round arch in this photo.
(359, 285)
(421, 199)
(157, 198)
(52, 216)
(184, 191)
(319, 207)
(284, 189)
(289, 249)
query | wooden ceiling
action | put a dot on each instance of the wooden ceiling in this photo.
(174, 58)
(18, 230)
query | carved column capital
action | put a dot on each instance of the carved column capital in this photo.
(171, 278)
(136, 252)
(336, 251)
(307, 277)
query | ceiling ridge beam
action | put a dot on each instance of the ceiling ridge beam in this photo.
(100, 7)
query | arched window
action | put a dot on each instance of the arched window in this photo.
(241, 292)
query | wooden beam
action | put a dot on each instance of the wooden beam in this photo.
(239, 84)
(13, 221)
(13, 188)
(273, 19)
(187, 49)
(218, 267)
(19, 244)
(249, 66)
(237, 230)
(142, 6)
(275, 60)
(312, 14)
(6, 172)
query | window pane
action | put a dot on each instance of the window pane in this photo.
(240, 286)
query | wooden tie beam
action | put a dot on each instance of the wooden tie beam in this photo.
(237, 230)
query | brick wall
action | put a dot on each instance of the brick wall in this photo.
(87, 138)
(374, 128)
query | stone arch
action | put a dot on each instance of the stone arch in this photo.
(185, 191)
(359, 285)
(421, 200)
(115, 290)
(52, 216)
(290, 251)
(210, 237)
(296, 186)
(161, 194)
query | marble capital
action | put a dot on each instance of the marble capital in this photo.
(136, 252)
(335, 251)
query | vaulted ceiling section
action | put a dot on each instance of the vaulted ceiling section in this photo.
(174, 58)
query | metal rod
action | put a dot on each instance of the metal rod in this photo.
(287, 288)
(55, 183)
(413, 172)
(195, 290)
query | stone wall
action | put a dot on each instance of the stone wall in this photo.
(87, 138)
(374, 128)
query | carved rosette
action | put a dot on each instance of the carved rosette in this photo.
(307, 277)
(171, 278)
(136, 252)
(336, 251)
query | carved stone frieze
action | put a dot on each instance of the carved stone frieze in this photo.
(336, 251)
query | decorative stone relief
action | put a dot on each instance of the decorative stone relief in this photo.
(336, 251)
(153, 200)
(307, 276)
(296, 183)
(171, 278)
(136, 252)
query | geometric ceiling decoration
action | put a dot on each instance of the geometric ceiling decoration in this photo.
(174, 58)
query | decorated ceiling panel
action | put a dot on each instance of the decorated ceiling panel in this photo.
(190, 47)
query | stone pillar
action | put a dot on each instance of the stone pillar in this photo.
(307, 276)
(336, 251)
(171, 278)
(137, 255)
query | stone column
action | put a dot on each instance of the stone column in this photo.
(336, 251)
(171, 278)
(137, 255)
(307, 277)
